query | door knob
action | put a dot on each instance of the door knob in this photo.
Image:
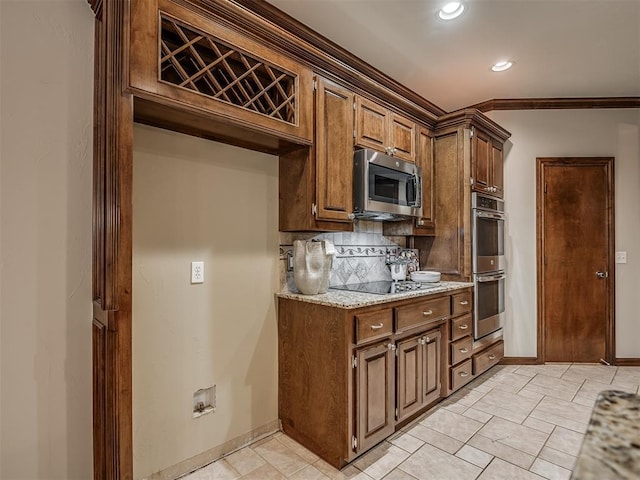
(602, 274)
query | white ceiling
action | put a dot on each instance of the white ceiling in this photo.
(562, 48)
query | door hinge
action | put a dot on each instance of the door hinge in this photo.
(396, 413)
(354, 133)
(315, 85)
(471, 132)
(545, 187)
(354, 104)
(354, 443)
(314, 209)
(354, 362)
(471, 181)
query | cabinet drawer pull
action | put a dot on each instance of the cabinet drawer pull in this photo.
(464, 302)
(464, 350)
(377, 327)
(427, 313)
(492, 357)
(463, 374)
(463, 327)
(420, 223)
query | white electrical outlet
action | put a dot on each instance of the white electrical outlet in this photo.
(197, 272)
(621, 257)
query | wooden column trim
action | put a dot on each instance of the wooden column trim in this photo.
(112, 244)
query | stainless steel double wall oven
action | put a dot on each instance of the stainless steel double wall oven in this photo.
(489, 264)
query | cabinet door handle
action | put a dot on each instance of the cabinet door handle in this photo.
(464, 350)
(394, 150)
(427, 340)
(463, 327)
(463, 374)
(391, 346)
(377, 327)
(464, 302)
(420, 223)
(492, 357)
(427, 313)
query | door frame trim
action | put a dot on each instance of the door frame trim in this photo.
(608, 163)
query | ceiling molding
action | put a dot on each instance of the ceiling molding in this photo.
(557, 103)
(471, 117)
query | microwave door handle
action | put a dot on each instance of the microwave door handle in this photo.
(495, 216)
(416, 192)
(492, 278)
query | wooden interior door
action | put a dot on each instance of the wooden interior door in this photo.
(575, 259)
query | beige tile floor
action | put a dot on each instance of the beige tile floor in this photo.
(513, 422)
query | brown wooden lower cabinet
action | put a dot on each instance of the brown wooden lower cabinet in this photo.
(349, 378)
(488, 357)
(375, 367)
(418, 382)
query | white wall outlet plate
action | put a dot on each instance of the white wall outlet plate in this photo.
(621, 257)
(197, 272)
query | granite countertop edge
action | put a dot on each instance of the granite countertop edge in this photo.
(611, 447)
(349, 300)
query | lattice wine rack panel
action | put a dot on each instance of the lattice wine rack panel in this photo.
(198, 62)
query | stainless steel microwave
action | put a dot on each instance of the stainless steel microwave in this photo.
(385, 188)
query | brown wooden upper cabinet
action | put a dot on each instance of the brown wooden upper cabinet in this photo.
(334, 151)
(486, 157)
(181, 58)
(467, 156)
(383, 130)
(424, 160)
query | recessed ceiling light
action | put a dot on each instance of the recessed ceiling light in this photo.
(451, 10)
(502, 66)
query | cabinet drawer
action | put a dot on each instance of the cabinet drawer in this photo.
(461, 303)
(461, 350)
(421, 313)
(370, 326)
(488, 358)
(460, 375)
(460, 327)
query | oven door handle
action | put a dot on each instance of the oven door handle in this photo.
(491, 278)
(494, 216)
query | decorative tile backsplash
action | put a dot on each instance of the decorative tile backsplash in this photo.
(361, 256)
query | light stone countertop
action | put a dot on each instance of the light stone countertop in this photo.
(611, 446)
(348, 300)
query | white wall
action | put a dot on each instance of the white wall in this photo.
(195, 200)
(558, 133)
(46, 117)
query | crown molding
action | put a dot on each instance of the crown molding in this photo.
(471, 117)
(326, 57)
(557, 103)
